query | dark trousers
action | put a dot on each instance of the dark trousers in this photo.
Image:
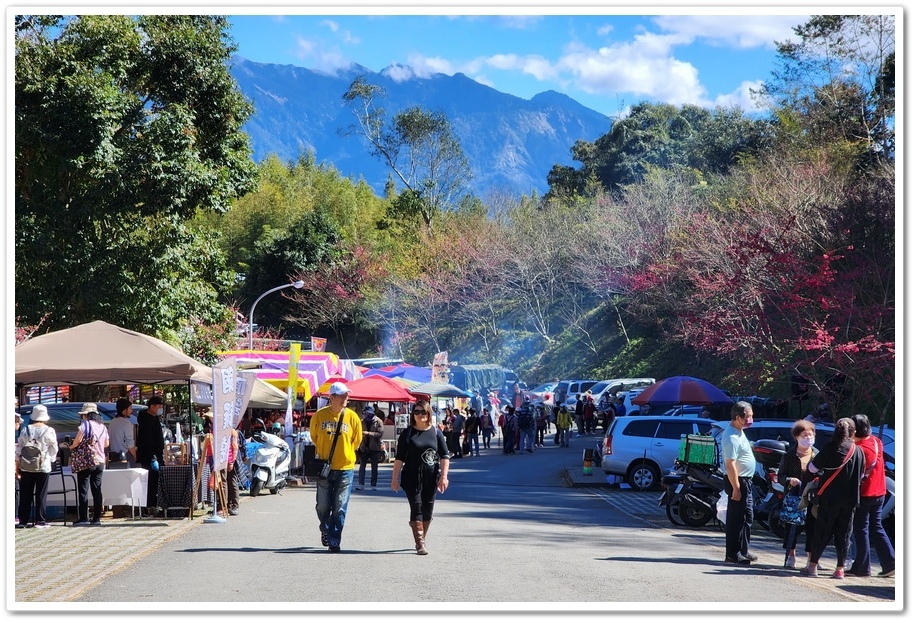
(739, 516)
(372, 458)
(152, 485)
(33, 492)
(229, 483)
(421, 495)
(868, 530)
(89, 480)
(831, 523)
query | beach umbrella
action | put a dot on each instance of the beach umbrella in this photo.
(682, 390)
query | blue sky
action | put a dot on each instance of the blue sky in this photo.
(607, 62)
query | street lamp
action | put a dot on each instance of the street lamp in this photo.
(297, 284)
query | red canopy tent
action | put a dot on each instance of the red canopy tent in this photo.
(378, 388)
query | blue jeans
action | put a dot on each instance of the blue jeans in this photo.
(868, 530)
(331, 499)
(474, 443)
(527, 439)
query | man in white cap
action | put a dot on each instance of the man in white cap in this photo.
(333, 493)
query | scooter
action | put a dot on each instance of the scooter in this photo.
(768, 493)
(691, 492)
(269, 464)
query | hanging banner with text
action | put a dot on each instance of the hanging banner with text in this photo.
(440, 367)
(319, 344)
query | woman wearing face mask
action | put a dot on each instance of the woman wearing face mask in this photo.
(793, 475)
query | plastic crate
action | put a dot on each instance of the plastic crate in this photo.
(697, 450)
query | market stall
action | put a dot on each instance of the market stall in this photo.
(99, 353)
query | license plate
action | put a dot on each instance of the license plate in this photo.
(678, 488)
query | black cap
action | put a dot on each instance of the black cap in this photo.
(123, 403)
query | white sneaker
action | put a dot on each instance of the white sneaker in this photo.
(42, 526)
(374, 488)
(359, 487)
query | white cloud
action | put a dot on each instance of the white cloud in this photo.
(604, 30)
(331, 24)
(425, 66)
(742, 32)
(741, 97)
(644, 67)
(319, 56)
(531, 64)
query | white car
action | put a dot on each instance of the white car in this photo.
(641, 448)
(543, 393)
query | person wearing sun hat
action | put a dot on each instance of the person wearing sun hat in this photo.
(33, 484)
(89, 479)
(332, 494)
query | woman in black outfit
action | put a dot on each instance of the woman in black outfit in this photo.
(838, 499)
(793, 475)
(421, 468)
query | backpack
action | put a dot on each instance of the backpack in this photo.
(32, 454)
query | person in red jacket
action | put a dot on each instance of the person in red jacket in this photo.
(867, 527)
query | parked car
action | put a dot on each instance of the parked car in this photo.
(611, 387)
(65, 417)
(543, 393)
(568, 389)
(642, 448)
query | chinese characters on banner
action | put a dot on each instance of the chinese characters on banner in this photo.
(440, 368)
(231, 393)
(319, 344)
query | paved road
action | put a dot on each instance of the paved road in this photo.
(510, 533)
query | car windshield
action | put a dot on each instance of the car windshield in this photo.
(597, 388)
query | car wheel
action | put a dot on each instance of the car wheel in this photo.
(643, 476)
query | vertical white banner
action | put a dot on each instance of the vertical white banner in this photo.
(440, 367)
(224, 409)
(244, 385)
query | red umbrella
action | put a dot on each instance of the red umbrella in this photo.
(378, 388)
(682, 390)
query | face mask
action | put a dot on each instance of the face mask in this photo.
(805, 442)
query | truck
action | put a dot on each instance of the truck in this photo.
(485, 377)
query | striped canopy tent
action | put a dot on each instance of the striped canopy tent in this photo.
(405, 371)
(314, 369)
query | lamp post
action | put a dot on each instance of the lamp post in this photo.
(296, 284)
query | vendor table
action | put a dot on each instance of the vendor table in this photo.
(176, 488)
(125, 486)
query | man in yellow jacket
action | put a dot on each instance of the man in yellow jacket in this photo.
(333, 493)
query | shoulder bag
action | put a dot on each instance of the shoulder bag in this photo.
(320, 468)
(83, 456)
(815, 499)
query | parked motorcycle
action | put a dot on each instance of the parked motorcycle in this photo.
(768, 493)
(269, 463)
(691, 492)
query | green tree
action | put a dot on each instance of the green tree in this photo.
(658, 136)
(837, 82)
(420, 148)
(125, 128)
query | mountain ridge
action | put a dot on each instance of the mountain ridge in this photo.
(511, 143)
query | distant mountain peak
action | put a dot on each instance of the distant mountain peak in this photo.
(399, 72)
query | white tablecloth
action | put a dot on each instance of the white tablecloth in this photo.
(124, 486)
(119, 486)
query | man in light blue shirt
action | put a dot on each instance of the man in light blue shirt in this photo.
(739, 468)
